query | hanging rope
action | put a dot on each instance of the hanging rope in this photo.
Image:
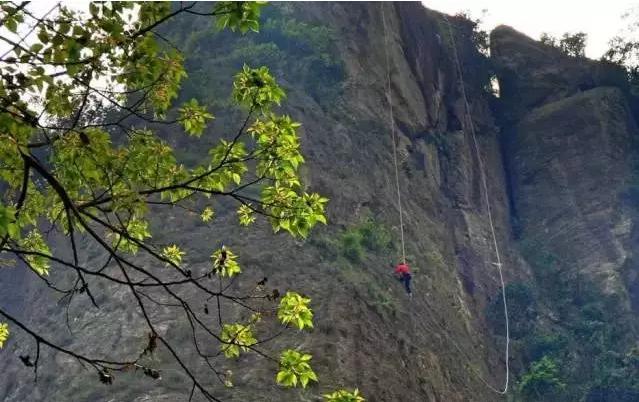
(469, 123)
(391, 123)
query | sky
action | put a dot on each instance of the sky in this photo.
(600, 19)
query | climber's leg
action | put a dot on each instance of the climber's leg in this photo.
(406, 279)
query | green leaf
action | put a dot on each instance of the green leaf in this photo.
(282, 376)
(36, 47)
(93, 9)
(4, 333)
(11, 24)
(7, 222)
(64, 27)
(43, 36)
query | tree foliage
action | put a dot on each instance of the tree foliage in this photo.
(304, 52)
(368, 236)
(294, 310)
(572, 44)
(478, 36)
(4, 333)
(542, 380)
(295, 368)
(344, 396)
(237, 338)
(571, 322)
(548, 39)
(80, 103)
(521, 311)
(623, 49)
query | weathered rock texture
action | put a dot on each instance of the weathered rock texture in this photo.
(570, 146)
(571, 154)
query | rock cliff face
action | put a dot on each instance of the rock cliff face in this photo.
(570, 154)
(564, 156)
(569, 138)
(558, 151)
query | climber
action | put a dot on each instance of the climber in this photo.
(402, 272)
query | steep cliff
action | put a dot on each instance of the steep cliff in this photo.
(558, 153)
(570, 145)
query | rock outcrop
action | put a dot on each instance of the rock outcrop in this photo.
(570, 152)
(570, 145)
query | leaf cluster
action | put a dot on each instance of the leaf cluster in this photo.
(294, 309)
(344, 396)
(295, 368)
(541, 379)
(237, 338)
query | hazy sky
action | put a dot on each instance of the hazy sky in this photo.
(600, 19)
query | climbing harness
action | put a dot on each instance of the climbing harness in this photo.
(391, 122)
(468, 123)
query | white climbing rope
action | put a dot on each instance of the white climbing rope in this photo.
(391, 122)
(469, 122)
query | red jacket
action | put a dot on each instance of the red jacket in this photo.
(402, 269)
